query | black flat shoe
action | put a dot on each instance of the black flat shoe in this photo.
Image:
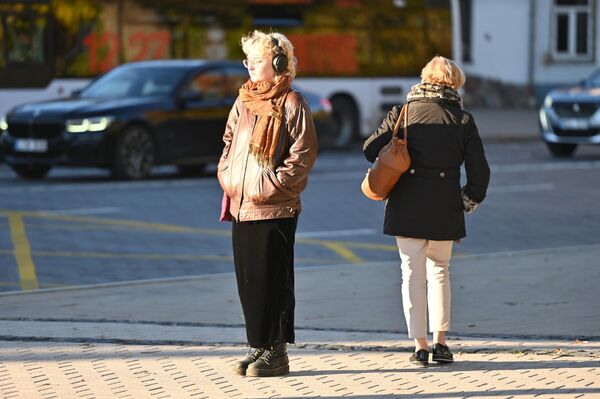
(442, 354)
(420, 358)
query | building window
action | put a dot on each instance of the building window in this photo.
(24, 39)
(572, 38)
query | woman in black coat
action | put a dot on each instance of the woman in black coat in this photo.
(425, 210)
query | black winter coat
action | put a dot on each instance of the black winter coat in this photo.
(426, 202)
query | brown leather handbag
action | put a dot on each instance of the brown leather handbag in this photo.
(392, 162)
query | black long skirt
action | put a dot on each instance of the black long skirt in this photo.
(263, 254)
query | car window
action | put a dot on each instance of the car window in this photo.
(157, 85)
(135, 82)
(112, 88)
(209, 84)
(236, 77)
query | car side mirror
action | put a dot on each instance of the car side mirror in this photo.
(76, 93)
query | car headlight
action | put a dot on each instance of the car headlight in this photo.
(548, 101)
(3, 124)
(544, 119)
(95, 124)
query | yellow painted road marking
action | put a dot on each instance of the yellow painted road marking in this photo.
(214, 232)
(13, 284)
(110, 224)
(351, 244)
(77, 227)
(22, 252)
(126, 223)
(108, 255)
(341, 248)
(342, 251)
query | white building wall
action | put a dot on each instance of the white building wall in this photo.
(548, 72)
(500, 40)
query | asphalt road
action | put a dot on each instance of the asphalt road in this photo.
(80, 227)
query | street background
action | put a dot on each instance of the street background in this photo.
(529, 251)
(143, 270)
(125, 289)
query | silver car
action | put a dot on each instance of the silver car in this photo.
(571, 116)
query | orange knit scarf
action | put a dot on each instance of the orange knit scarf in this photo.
(266, 100)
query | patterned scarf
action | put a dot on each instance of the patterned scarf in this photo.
(266, 100)
(434, 91)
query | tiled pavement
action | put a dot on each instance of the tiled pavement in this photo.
(93, 370)
(188, 335)
(100, 360)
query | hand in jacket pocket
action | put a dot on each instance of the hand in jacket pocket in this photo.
(269, 190)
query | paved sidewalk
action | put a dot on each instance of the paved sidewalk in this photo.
(531, 336)
(165, 362)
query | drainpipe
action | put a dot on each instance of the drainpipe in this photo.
(531, 56)
(457, 53)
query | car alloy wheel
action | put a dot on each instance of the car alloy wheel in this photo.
(345, 115)
(134, 154)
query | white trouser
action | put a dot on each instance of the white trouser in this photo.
(425, 280)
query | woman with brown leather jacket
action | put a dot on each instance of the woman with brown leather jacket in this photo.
(270, 147)
(425, 210)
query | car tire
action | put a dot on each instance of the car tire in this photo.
(133, 154)
(561, 150)
(31, 172)
(191, 170)
(345, 115)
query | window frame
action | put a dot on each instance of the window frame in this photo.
(230, 72)
(184, 92)
(572, 11)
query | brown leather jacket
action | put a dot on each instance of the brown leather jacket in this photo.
(259, 192)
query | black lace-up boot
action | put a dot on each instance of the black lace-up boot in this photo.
(273, 362)
(241, 366)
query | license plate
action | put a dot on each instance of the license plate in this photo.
(576, 124)
(31, 145)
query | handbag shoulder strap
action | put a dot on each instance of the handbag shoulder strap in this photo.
(403, 115)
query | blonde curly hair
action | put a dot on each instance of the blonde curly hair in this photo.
(264, 41)
(443, 71)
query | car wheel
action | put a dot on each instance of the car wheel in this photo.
(561, 150)
(31, 172)
(345, 115)
(134, 154)
(191, 170)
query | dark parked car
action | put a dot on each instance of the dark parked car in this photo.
(571, 116)
(134, 117)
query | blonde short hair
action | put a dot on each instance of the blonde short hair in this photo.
(443, 71)
(264, 41)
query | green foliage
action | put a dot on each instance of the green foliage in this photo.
(70, 13)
